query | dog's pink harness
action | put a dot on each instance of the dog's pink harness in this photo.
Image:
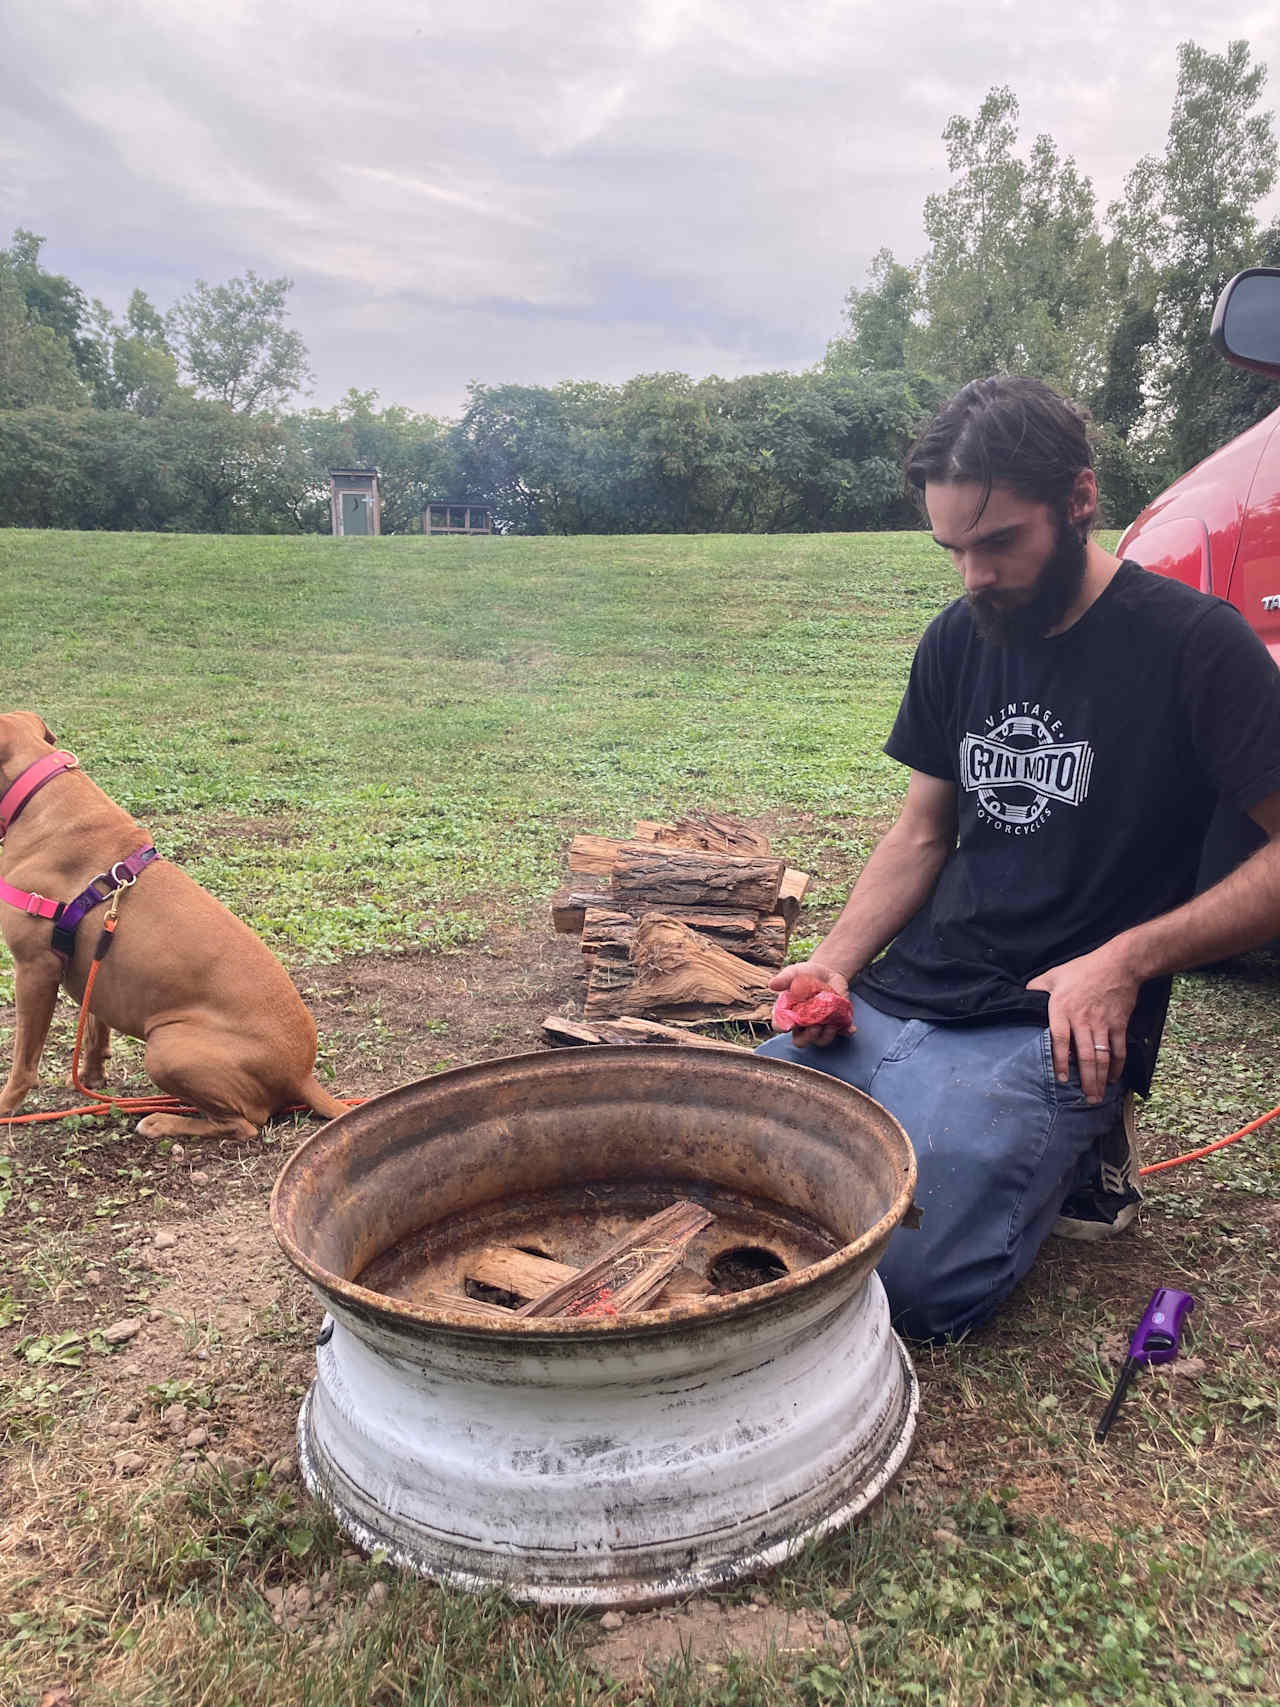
(66, 915)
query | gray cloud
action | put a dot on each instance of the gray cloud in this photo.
(484, 191)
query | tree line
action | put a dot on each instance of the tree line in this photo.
(181, 420)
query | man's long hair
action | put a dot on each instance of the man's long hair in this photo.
(1006, 431)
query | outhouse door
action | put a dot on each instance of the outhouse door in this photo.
(355, 512)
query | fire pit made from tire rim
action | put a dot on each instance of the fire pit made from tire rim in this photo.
(596, 1460)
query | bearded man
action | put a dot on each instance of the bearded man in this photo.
(1068, 725)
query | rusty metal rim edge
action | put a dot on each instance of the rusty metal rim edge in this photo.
(644, 1322)
(596, 1593)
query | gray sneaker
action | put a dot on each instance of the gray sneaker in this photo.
(1109, 1203)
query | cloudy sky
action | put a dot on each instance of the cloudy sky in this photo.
(478, 190)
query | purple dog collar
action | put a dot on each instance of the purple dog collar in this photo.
(121, 875)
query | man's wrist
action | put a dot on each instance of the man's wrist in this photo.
(1136, 954)
(840, 964)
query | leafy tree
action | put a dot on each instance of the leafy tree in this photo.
(664, 453)
(879, 318)
(36, 363)
(54, 302)
(534, 453)
(1011, 279)
(408, 450)
(139, 371)
(192, 467)
(232, 342)
(1188, 221)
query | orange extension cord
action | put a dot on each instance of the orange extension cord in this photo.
(171, 1105)
(1220, 1144)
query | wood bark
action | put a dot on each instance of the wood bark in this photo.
(562, 1032)
(631, 1271)
(459, 1303)
(761, 940)
(593, 856)
(710, 831)
(680, 975)
(527, 1276)
(569, 905)
(648, 873)
(605, 930)
(607, 988)
(791, 894)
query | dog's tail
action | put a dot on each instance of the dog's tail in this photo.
(319, 1101)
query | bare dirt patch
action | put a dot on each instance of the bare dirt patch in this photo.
(385, 1021)
(216, 829)
(704, 1632)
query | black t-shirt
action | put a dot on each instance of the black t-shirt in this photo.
(1087, 766)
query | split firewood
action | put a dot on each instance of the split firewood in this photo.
(710, 831)
(459, 1303)
(593, 856)
(650, 874)
(527, 1276)
(791, 894)
(680, 975)
(605, 930)
(631, 1272)
(565, 1033)
(732, 930)
(506, 1269)
(561, 1032)
(608, 984)
(569, 905)
(762, 940)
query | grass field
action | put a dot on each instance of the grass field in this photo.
(375, 752)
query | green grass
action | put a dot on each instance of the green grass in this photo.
(378, 747)
(425, 721)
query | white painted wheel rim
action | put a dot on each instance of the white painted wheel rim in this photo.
(622, 1464)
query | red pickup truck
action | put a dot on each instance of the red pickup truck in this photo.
(1218, 527)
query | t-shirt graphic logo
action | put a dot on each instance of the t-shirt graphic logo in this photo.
(1018, 769)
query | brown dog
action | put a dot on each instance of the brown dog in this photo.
(224, 1027)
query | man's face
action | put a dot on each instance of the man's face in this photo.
(1021, 562)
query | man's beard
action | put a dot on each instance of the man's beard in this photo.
(1045, 604)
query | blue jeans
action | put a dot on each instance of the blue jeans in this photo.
(999, 1144)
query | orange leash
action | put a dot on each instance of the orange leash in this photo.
(103, 1104)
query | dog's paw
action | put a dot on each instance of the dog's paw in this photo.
(91, 1079)
(154, 1126)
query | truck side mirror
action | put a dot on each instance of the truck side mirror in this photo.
(1246, 321)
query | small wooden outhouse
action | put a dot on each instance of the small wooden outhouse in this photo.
(354, 501)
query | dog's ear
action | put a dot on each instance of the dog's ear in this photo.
(38, 726)
(14, 725)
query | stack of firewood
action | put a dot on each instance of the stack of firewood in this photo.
(684, 922)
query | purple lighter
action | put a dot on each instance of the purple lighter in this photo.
(1156, 1341)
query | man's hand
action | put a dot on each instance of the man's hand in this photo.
(803, 980)
(1090, 1001)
